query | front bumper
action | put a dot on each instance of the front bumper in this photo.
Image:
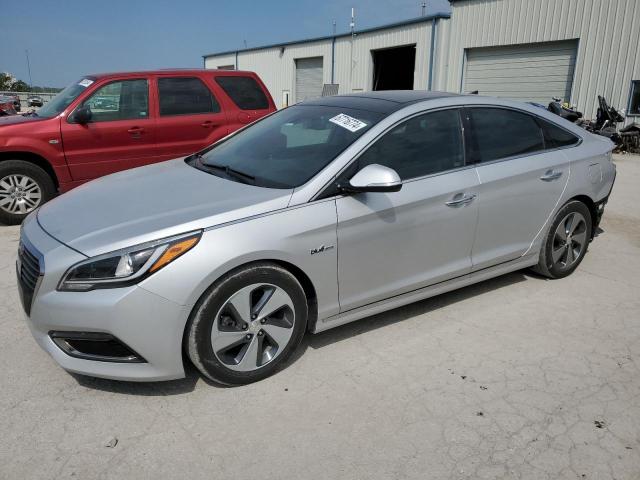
(147, 323)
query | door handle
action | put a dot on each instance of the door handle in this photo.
(207, 124)
(550, 175)
(460, 200)
(136, 132)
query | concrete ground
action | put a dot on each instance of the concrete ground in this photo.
(517, 377)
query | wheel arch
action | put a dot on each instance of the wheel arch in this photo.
(297, 272)
(33, 158)
(593, 210)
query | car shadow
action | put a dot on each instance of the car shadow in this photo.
(400, 314)
(317, 341)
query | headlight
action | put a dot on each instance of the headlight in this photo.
(127, 266)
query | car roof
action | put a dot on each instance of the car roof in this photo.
(176, 71)
(386, 101)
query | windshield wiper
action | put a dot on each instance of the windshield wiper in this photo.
(229, 171)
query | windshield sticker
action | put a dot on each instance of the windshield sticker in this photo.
(85, 82)
(350, 123)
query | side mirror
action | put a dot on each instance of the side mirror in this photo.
(374, 178)
(82, 114)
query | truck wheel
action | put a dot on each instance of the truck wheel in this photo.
(23, 188)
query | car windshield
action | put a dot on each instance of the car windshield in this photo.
(288, 148)
(63, 99)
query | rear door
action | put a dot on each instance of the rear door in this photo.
(120, 135)
(521, 182)
(190, 117)
(392, 243)
(247, 97)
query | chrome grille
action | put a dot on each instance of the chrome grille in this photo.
(29, 272)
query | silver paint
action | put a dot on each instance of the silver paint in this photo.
(390, 248)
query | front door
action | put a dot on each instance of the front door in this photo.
(189, 117)
(120, 135)
(392, 243)
(521, 182)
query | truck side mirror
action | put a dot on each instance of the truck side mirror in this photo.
(82, 115)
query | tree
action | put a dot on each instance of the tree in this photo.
(19, 86)
(6, 80)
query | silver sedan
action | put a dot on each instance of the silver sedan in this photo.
(323, 213)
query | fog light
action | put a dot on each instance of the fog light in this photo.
(97, 346)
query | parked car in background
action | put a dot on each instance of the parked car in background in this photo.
(232, 254)
(35, 101)
(104, 123)
(15, 99)
(7, 106)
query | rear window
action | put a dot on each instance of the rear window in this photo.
(501, 133)
(244, 91)
(185, 96)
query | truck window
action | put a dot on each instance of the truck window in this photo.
(185, 96)
(244, 91)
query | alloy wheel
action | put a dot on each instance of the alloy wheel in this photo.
(253, 327)
(19, 194)
(569, 241)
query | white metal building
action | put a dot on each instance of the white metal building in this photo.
(529, 50)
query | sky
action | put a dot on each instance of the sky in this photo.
(69, 38)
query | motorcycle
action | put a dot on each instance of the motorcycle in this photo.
(564, 110)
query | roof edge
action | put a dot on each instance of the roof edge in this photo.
(412, 21)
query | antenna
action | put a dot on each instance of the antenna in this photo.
(245, 43)
(353, 20)
(26, 52)
(424, 8)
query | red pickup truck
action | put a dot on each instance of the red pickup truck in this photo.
(109, 122)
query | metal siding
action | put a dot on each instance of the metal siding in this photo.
(277, 70)
(608, 32)
(530, 72)
(215, 62)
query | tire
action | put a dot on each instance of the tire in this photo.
(237, 334)
(23, 188)
(561, 254)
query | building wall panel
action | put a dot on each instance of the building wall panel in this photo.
(608, 51)
(353, 69)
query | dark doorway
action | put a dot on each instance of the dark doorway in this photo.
(393, 68)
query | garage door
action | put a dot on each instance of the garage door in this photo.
(308, 78)
(533, 72)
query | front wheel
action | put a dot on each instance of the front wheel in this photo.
(247, 324)
(567, 241)
(23, 188)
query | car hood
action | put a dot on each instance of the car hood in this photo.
(149, 203)
(15, 119)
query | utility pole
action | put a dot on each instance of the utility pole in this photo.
(353, 36)
(424, 8)
(29, 70)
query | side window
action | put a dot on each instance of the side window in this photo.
(501, 133)
(244, 91)
(122, 100)
(185, 96)
(555, 137)
(423, 145)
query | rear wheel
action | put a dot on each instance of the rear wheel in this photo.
(246, 326)
(23, 188)
(567, 241)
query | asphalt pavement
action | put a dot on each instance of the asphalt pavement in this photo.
(517, 377)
